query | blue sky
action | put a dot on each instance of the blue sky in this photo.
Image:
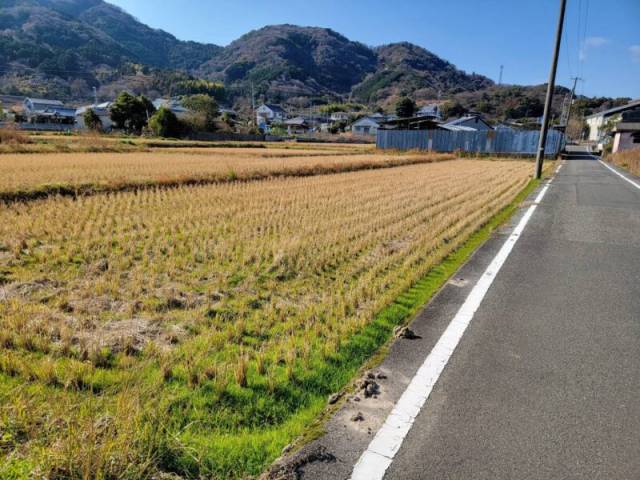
(601, 43)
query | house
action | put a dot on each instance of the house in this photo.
(626, 133)
(598, 122)
(296, 126)
(430, 110)
(469, 122)
(103, 110)
(39, 110)
(367, 125)
(268, 113)
(340, 117)
(173, 104)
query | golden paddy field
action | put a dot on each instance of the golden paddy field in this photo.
(196, 330)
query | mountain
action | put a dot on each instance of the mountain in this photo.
(64, 48)
(287, 60)
(407, 69)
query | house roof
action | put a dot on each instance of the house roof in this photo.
(274, 108)
(101, 108)
(459, 121)
(296, 121)
(457, 128)
(364, 121)
(614, 110)
(44, 101)
(172, 104)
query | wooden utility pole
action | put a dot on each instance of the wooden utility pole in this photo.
(573, 93)
(551, 85)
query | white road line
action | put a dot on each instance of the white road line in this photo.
(635, 184)
(376, 459)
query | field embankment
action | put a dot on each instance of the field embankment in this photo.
(198, 330)
(27, 176)
(629, 159)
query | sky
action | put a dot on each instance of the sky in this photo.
(601, 41)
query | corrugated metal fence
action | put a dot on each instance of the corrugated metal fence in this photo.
(491, 141)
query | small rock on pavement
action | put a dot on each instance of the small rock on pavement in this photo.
(405, 332)
(334, 398)
(358, 417)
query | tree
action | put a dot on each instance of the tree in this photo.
(453, 109)
(405, 107)
(205, 110)
(131, 113)
(164, 123)
(92, 120)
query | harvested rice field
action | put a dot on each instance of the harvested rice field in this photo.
(197, 330)
(33, 175)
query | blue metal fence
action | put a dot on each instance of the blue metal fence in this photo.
(491, 141)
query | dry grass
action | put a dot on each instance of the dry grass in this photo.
(197, 330)
(10, 138)
(26, 175)
(629, 159)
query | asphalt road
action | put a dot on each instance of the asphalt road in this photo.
(545, 383)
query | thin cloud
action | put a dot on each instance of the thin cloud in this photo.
(634, 50)
(589, 44)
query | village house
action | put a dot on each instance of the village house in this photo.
(174, 105)
(268, 113)
(469, 122)
(102, 110)
(367, 125)
(626, 133)
(600, 122)
(340, 117)
(42, 111)
(297, 126)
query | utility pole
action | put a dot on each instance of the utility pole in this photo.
(95, 96)
(501, 70)
(550, 88)
(253, 105)
(573, 92)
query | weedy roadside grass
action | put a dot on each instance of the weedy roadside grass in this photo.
(198, 330)
(628, 159)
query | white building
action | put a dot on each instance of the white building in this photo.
(103, 110)
(340, 117)
(268, 113)
(626, 133)
(597, 122)
(40, 110)
(366, 126)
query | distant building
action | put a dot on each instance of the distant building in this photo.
(173, 104)
(103, 110)
(597, 122)
(268, 113)
(626, 133)
(367, 125)
(340, 117)
(431, 110)
(296, 126)
(467, 122)
(42, 111)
